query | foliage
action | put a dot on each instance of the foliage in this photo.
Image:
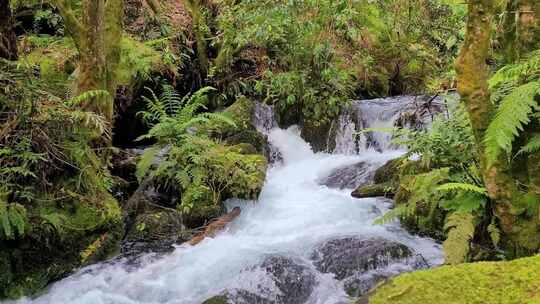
(13, 220)
(203, 170)
(515, 88)
(308, 56)
(449, 141)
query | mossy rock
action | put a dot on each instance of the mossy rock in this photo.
(389, 172)
(61, 239)
(321, 137)
(241, 112)
(375, 190)
(217, 300)
(514, 282)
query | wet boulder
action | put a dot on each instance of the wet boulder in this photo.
(294, 281)
(285, 281)
(363, 262)
(348, 177)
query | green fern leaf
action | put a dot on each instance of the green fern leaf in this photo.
(531, 147)
(462, 187)
(146, 162)
(86, 96)
(512, 115)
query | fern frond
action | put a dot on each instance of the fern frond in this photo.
(462, 187)
(86, 96)
(531, 147)
(512, 116)
(494, 233)
(146, 161)
(460, 231)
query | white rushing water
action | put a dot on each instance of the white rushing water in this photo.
(293, 215)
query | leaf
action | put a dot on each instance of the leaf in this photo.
(512, 116)
(462, 187)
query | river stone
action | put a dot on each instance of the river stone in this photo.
(295, 282)
(348, 177)
(363, 262)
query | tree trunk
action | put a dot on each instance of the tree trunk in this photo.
(8, 39)
(473, 74)
(98, 38)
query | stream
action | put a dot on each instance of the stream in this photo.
(299, 243)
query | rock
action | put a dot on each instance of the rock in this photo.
(289, 282)
(376, 190)
(389, 172)
(348, 177)
(363, 262)
(296, 282)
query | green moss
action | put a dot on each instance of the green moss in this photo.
(55, 57)
(64, 236)
(482, 283)
(243, 131)
(217, 300)
(383, 189)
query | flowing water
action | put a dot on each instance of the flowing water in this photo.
(292, 216)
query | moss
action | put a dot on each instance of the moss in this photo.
(217, 300)
(63, 237)
(483, 283)
(383, 189)
(241, 112)
(55, 57)
(389, 172)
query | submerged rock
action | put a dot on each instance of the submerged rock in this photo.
(289, 282)
(295, 282)
(363, 262)
(349, 177)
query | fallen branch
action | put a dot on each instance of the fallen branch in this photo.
(215, 226)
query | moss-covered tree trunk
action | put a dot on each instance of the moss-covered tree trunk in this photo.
(473, 74)
(8, 39)
(97, 36)
(195, 8)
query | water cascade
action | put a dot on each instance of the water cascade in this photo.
(302, 242)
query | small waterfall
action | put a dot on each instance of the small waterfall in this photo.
(346, 142)
(413, 112)
(264, 120)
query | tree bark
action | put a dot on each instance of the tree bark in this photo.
(8, 39)
(473, 74)
(98, 38)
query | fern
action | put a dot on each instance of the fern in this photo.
(13, 220)
(462, 187)
(531, 147)
(460, 229)
(146, 161)
(494, 233)
(513, 114)
(86, 96)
